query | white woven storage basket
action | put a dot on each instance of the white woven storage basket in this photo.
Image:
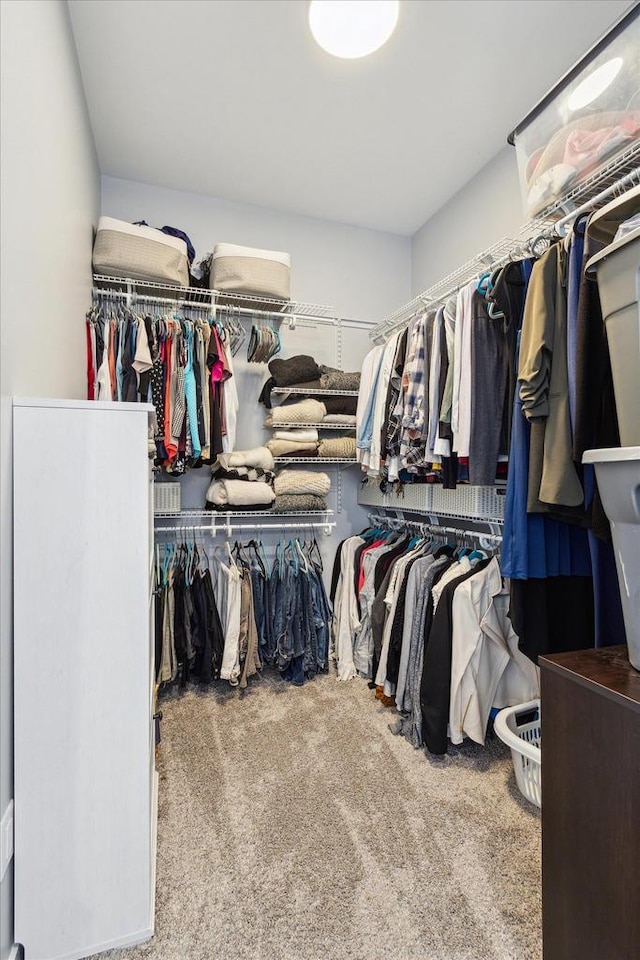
(523, 738)
(166, 496)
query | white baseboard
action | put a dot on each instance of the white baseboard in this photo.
(15, 952)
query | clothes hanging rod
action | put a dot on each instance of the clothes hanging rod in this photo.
(213, 530)
(625, 172)
(237, 301)
(311, 426)
(629, 180)
(395, 523)
(320, 392)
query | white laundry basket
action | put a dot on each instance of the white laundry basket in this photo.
(516, 727)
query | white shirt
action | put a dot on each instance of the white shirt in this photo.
(367, 387)
(461, 405)
(484, 648)
(231, 405)
(345, 611)
(380, 403)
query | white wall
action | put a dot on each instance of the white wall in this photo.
(363, 273)
(49, 203)
(486, 209)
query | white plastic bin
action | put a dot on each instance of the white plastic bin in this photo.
(618, 474)
(618, 271)
(522, 733)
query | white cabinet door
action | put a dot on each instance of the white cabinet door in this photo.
(83, 753)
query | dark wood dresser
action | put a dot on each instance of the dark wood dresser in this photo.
(590, 806)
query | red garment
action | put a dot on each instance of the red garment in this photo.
(378, 543)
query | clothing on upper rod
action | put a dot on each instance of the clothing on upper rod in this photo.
(531, 376)
(429, 626)
(182, 364)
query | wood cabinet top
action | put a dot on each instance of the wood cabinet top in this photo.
(606, 671)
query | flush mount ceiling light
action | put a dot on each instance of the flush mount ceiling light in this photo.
(352, 28)
(596, 83)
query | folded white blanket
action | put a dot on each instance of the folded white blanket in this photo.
(306, 411)
(310, 435)
(240, 493)
(256, 457)
(302, 481)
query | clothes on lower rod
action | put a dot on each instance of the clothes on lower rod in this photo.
(430, 627)
(227, 618)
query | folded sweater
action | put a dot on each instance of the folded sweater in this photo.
(347, 405)
(239, 493)
(340, 418)
(342, 447)
(256, 457)
(332, 379)
(280, 448)
(305, 411)
(294, 370)
(310, 435)
(298, 503)
(248, 474)
(302, 481)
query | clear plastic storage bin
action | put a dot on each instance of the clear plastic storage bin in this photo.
(587, 120)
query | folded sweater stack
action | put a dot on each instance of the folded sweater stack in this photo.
(303, 373)
(300, 491)
(242, 480)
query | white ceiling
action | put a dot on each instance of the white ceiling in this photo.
(233, 98)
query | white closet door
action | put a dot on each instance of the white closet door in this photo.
(83, 744)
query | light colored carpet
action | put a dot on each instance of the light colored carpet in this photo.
(295, 826)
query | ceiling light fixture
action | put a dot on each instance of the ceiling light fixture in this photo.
(352, 28)
(596, 83)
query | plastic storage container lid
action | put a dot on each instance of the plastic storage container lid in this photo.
(611, 455)
(604, 224)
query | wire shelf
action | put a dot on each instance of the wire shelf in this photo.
(319, 461)
(320, 392)
(187, 515)
(214, 522)
(608, 175)
(245, 303)
(311, 426)
(612, 179)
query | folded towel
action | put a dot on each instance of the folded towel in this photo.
(310, 435)
(305, 411)
(256, 457)
(294, 370)
(298, 503)
(280, 448)
(248, 474)
(344, 418)
(340, 404)
(302, 481)
(332, 379)
(342, 447)
(239, 493)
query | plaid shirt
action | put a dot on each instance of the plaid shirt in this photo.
(412, 446)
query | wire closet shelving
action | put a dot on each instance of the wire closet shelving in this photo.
(311, 391)
(214, 522)
(611, 180)
(214, 300)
